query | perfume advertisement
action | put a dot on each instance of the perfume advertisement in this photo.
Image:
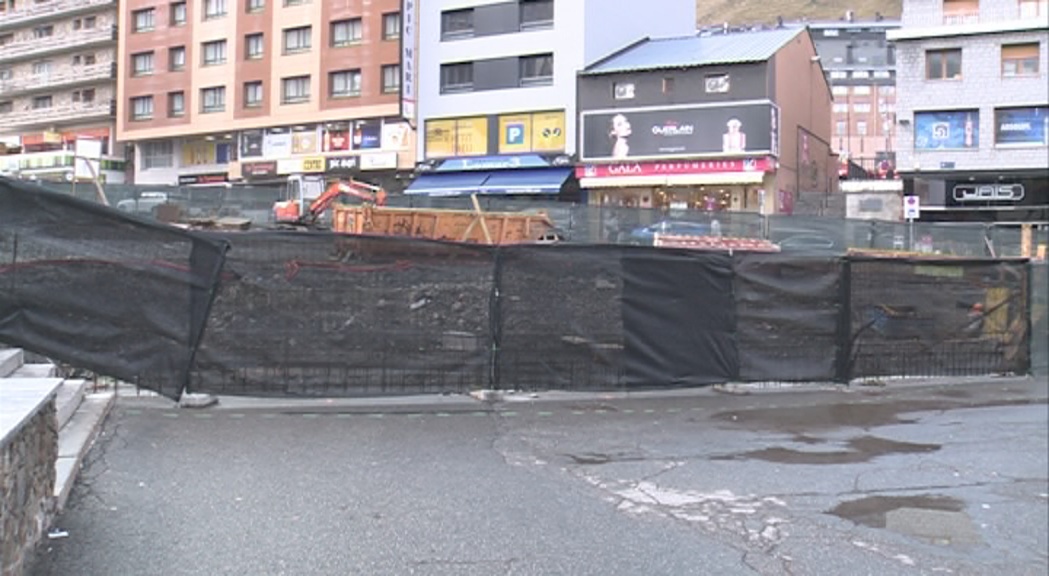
(1021, 126)
(947, 130)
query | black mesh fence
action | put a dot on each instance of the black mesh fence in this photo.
(315, 314)
(1040, 319)
(938, 317)
(318, 314)
(88, 286)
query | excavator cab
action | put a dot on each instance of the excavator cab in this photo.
(306, 198)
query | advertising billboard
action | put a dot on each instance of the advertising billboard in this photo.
(532, 132)
(947, 130)
(743, 128)
(457, 137)
(1022, 126)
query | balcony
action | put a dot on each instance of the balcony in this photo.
(962, 17)
(68, 77)
(55, 9)
(62, 113)
(37, 47)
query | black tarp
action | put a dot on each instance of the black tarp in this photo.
(88, 286)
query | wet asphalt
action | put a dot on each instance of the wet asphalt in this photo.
(945, 479)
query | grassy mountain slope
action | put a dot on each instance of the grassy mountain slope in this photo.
(740, 12)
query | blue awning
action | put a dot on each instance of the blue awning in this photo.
(448, 184)
(498, 182)
(527, 181)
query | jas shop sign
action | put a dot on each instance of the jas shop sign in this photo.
(675, 168)
(744, 128)
(1021, 126)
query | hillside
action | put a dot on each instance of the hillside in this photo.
(742, 12)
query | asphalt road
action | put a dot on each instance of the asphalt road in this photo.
(896, 481)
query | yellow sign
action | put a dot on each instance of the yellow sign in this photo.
(440, 138)
(198, 153)
(471, 136)
(548, 132)
(313, 164)
(515, 133)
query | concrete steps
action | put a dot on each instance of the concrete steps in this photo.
(79, 414)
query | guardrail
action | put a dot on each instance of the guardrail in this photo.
(43, 11)
(40, 46)
(79, 111)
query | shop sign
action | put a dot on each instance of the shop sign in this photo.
(532, 132)
(190, 179)
(409, 20)
(382, 161)
(947, 130)
(258, 169)
(988, 192)
(341, 164)
(1021, 126)
(456, 137)
(313, 164)
(493, 163)
(671, 168)
(680, 131)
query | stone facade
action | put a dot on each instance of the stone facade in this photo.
(982, 87)
(27, 484)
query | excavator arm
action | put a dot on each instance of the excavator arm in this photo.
(373, 194)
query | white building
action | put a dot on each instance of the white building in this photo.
(497, 85)
(973, 108)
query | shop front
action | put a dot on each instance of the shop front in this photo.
(519, 154)
(1013, 197)
(706, 185)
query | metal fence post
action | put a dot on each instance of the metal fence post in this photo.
(495, 320)
(844, 359)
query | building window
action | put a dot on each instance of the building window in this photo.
(346, 32)
(256, 6)
(861, 127)
(668, 85)
(253, 46)
(253, 94)
(295, 90)
(391, 26)
(295, 2)
(841, 107)
(42, 68)
(717, 84)
(158, 154)
(861, 108)
(6, 74)
(961, 12)
(623, 90)
(882, 74)
(830, 32)
(839, 90)
(537, 14)
(7, 107)
(214, 9)
(1020, 59)
(43, 31)
(213, 99)
(214, 53)
(90, 22)
(861, 74)
(6, 39)
(861, 90)
(142, 108)
(177, 58)
(142, 64)
(41, 102)
(176, 104)
(178, 13)
(391, 78)
(457, 77)
(886, 90)
(1033, 9)
(839, 74)
(457, 24)
(142, 20)
(536, 70)
(841, 127)
(344, 83)
(943, 64)
(297, 39)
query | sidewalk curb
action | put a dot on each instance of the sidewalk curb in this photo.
(75, 440)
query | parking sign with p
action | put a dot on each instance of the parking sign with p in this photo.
(515, 134)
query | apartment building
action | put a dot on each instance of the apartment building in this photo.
(860, 64)
(497, 86)
(257, 90)
(58, 87)
(973, 108)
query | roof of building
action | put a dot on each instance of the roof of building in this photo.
(694, 51)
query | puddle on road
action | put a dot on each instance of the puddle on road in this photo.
(799, 419)
(937, 519)
(862, 449)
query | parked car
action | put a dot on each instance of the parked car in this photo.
(145, 203)
(807, 243)
(646, 234)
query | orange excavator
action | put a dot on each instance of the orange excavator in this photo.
(304, 203)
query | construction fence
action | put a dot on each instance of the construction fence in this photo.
(313, 314)
(584, 224)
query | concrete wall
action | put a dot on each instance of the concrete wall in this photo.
(27, 485)
(981, 87)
